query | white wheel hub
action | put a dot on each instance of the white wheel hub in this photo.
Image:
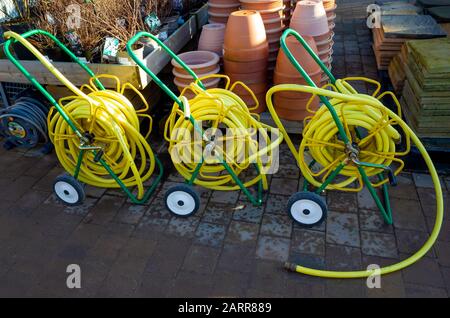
(66, 192)
(180, 202)
(306, 211)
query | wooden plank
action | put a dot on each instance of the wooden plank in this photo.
(9, 73)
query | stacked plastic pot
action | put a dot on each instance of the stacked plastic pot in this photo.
(212, 37)
(203, 63)
(272, 15)
(293, 105)
(220, 10)
(245, 54)
(310, 19)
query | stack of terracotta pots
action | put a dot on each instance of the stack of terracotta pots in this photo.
(212, 37)
(203, 63)
(245, 54)
(330, 9)
(220, 10)
(287, 11)
(292, 105)
(272, 14)
(310, 19)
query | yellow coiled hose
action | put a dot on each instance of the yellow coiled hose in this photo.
(110, 118)
(217, 109)
(321, 140)
(377, 147)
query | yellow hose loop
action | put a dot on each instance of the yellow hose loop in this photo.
(214, 110)
(320, 140)
(111, 119)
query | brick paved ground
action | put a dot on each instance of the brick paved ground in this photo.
(229, 248)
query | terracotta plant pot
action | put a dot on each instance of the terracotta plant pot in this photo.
(273, 55)
(272, 15)
(222, 9)
(257, 88)
(244, 67)
(284, 66)
(261, 4)
(331, 26)
(289, 109)
(324, 45)
(248, 99)
(246, 51)
(210, 84)
(222, 20)
(325, 53)
(309, 18)
(212, 37)
(249, 78)
(292, 105)
(245, 37)
(271, 24)
(324, 37)
(184, 76)
(331, 10)
(218, 17)
(200, 62)
(329, 4)
(185, 81)
(299, 80)
(296, 78)
(331, 17)
(287, 4)
(274, 42)
(223, 2)
(274, 34)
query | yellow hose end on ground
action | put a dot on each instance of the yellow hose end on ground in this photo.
(355, 110)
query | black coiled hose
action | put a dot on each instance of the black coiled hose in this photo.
(24, 124)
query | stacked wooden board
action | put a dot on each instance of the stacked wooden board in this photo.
(426, 93)
(396, 30)
(396, 69)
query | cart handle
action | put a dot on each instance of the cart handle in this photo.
(139, 62)
(296, 64)
(13, 37)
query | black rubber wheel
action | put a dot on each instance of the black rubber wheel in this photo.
(69, 190)
(182, 201)
(307, 209)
